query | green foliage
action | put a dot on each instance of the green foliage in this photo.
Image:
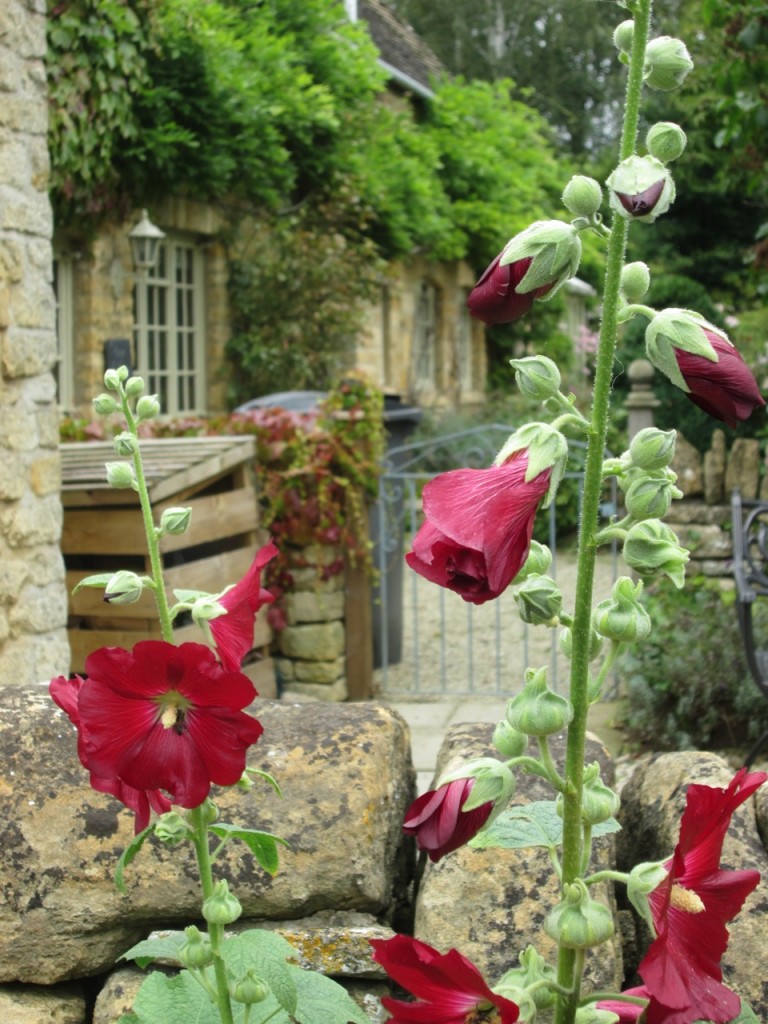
(688, 684)
(536, 824)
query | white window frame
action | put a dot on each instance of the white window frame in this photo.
(169, 327)
(63, 287)
(425, 333)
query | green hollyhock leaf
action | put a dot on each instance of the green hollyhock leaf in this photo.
(163, 947)
(267, 952)
(129, 854)
(263, 845)
(535, 824)
(323, 1001)
(174, 1000)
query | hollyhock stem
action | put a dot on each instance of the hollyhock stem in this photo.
(570, 964)
(215, 931)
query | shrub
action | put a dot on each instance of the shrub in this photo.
(688, 685)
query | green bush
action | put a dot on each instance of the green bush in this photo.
(688, 685)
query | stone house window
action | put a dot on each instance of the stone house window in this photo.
(425, 332)
(168, 328)
(466, 369)
(65, 349)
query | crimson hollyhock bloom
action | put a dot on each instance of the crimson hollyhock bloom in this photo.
(628, 1013)
(65, 692)
(438, 822)
(165, 717)
(691, 908)
(725, 389)
(450, 989)
(233, 632)
(495, 300)
(478, 527)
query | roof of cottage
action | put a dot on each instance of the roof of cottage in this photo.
(403, 53)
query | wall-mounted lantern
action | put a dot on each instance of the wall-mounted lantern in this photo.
(145, 240)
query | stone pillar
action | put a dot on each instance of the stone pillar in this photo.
(641, 401)
(33, 601)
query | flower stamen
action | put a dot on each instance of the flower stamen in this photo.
(684, 899)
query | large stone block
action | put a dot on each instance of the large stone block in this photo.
(743, 467)
(346, 777)
(317, 641)
(652, 805)
(490, 904)
(32, 1004)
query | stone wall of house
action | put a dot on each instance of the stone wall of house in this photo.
(702, 519)
(33, 601)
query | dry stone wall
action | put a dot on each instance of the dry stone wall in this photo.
(33, 602)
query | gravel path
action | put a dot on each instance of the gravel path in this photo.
(452, 647)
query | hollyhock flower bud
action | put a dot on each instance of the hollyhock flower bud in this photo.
(124, 443)
(566, 643)
(147, 407)
(113, 378)
(539, 600)
(175, 520)
(582, 196)
(509, 741)
(623, 35)
(124, 587)
(641, 188)
(652, 449)
(579, 922)
(702, 362)
(134, 386)
(438, 821)
(635, 281)
(196, 951)
(538, 561)
(533, 265)
(537, 710)
(533, 968)
(222, 906)
(598, 802)
(120, 475)
(172, 829)
(649, 497)
(105, 405)
(652, 549)
(666, 141)
(250, 989)
(667, 63)
(537, 377)
(621, 617)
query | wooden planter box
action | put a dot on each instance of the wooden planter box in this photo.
(103, 532)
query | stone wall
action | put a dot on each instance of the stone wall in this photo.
(33, 601)
(702, 519)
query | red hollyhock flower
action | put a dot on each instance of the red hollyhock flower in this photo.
(725, 389)
(438, 822)
(233, 632)
(450, 989)
(65, 693)
(495, 300)
(478, 527)
(691, 907)
(628, 1013)
(165, 717)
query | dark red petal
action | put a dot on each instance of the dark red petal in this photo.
(494, 298)
(642, 202)
(726, 389)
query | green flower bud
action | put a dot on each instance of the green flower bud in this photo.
(641, 188)
(679, 329)
(134, 386)
(209, 812)
(171, 828)
(566, 643)
(538, 562)
(583, 196)
(652, 449)
(124, 443)
(147, 407)
(578, 921)
(554, 249)
(621, 617)
(598, 802)
(537, 377)
(494, 783)
(652, 548)
(124, 587)
(508, 741)
(533, 968)
(649, 497)
(121, 475)
(539, 600)
(175, 520)
(113, 378)
(623, 35)
(195, 952)
(666, 141)
(667, 63)
(537, 710)
(105, 405)
(635, 281)
(222, 907)
(547, 449)
(590, 1014)
(251, 988)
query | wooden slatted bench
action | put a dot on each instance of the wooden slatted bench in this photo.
(103, 531)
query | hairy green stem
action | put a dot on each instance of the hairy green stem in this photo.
(570, 964)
